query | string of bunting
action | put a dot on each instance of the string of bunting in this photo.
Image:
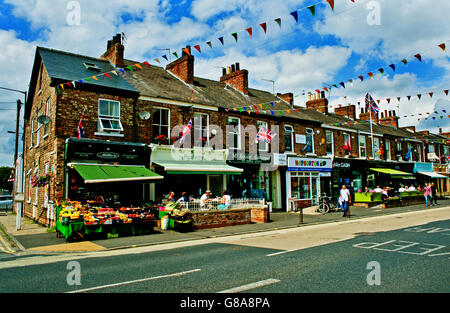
(197, 47)
(382, 71)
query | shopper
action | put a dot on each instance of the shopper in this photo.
(378, 190)
(384, 194)
(434, 193)
(345, 199)
(184, 197)
(226, 201)
(171, 197)
(412, 188)
(401, 189)
(428, 195)
(204, 199)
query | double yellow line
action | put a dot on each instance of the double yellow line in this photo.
(4, 245)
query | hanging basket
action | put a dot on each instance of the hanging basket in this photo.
(40, 181)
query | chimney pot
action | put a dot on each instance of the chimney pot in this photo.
(394, 114)
(382, 115)
(228, 70)
(238, 67)
(224, 71)
(233, 68)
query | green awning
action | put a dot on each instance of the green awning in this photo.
(391, 172)
(199, 168)
(94, 174)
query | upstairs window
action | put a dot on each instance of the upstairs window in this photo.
(234, 136)
(161, 125)
(289, 138)
(109, 116)
(329, 142)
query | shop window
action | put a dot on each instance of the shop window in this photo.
(399, 147)
(431, 149)
(289, 138)
(201, 129)
(329, 142)
(262, 145)
(109, 116)
(362, 146)
(234, 135)
(347, 144)
(161, 125)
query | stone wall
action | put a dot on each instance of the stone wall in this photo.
(216, 219)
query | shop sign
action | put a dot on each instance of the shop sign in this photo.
(423, 167)
(279, 159)
(250, 158)
(309, 165)
(300, 139)
(108, 155)
(343, 165)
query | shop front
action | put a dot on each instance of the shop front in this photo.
(349, 172)
(112, 172)
(306, 179)
(191, 170)
(429, 173)
(443, 182)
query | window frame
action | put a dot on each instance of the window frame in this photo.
(329, 143)
(289, 130)
(47, 113)
(202, 127)
(239, 134)
(387, 150)
(312, 138)
(109, 118)
(261, 144)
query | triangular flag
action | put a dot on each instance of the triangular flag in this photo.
(121, 69)
(331, 2)
(399, 98)
(295, 15)
(419, 96)
(165, 57)
(431, 95)
(442, 46)
(73, 83)
(81, 81)
(361, 77)
(278, 20)
(130, 68)
(326, 89)
(446, 92)
(404, 61)
(409, 98)
(175, 54)
(264, 27)
(419, 57)
(370, 75)
(107, 75)
(157, 60)
(93, 77)
(388, 100)
(198, 48)
(235, 35)
(342, 84)
(392, 66)
(209, 43)
(312, 9)
(221, 39)
(187, 51)
(146, 63)
(250, 31)
(88, 79)
(381, 71)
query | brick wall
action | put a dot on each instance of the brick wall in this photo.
(215, 219)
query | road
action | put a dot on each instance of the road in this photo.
(403, 253)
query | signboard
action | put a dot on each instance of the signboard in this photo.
(300, 139)
(341, 165)
(423, 167)
(310, 165)
(279, 159)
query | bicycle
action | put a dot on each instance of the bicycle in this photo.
(326, 205)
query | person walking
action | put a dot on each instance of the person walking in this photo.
(345, 198)
(434, 193)
(428, 195)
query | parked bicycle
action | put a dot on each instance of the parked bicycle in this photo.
(326, 205)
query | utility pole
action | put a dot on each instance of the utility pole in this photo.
(16, 147)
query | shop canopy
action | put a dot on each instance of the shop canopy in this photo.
(191, 167)
(193, 161)
(433, 174)
(93, 174)
(392, 172)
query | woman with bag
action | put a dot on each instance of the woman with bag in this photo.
(428, 195)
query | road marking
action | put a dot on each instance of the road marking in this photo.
(135, 281)
(251, 286)
(6, 247)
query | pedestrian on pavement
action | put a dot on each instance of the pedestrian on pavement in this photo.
(345, 198)
(433, 193)
(428, 195)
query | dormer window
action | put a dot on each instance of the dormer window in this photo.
(91, 66)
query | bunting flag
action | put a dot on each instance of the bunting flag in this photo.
(175, 54)
(419, 96)
(409, 98)
(431, 95)
(446, 92)
(419, 57)
(388, 100)
(94, 77)
(250, 31)
(187, 51)
(221, 40)
(235, 35)
(312, 9)
(342, 84)
(295, 15)
(370, 75)
(156, 60)
(148, 64)
(361, 77)
(392, 66)
(331, 3)
(106, 74)
(130, 68)
(186, 131)
(404, 61)
(442, 46)
(278, 21)
(209, 44)
(197, 47)
(399, 98)
(264, 27)
(381, 71)
(326, 89)
(165, 57)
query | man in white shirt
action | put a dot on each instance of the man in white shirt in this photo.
(204, 198)
(412, 188)
(402, 189)
(345, 198)
(378, 189)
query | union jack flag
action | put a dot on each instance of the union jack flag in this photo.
(265, 135)
(80, 128)
(186, 131)
(371, 104)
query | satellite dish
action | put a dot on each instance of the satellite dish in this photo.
(144, 115)
(44, 119)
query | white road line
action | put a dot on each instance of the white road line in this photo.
(251, 286)
(135, 281)
(278, 253)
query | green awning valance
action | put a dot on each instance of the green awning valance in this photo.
(391, 172)
(190, 167)
(93, 174)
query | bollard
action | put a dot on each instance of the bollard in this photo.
(300, 220)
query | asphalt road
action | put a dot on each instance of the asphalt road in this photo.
(409, 260)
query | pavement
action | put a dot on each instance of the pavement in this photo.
(34, 238)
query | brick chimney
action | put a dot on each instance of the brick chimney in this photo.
(424, 132)
(318, 102)
(411, 128)
(183, 68)
(390, 119)
(365, 116)
(236, 77)
(114, 51)
(348, 111)
(288, 97)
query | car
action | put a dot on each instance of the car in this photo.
(6, 203)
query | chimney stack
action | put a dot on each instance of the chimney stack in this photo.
(183, 68)
(236, 77)
(348, 111)
(114, 51)
(318, 103)
(390, 119)
(288, 97)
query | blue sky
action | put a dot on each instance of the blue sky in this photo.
(333, 47)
